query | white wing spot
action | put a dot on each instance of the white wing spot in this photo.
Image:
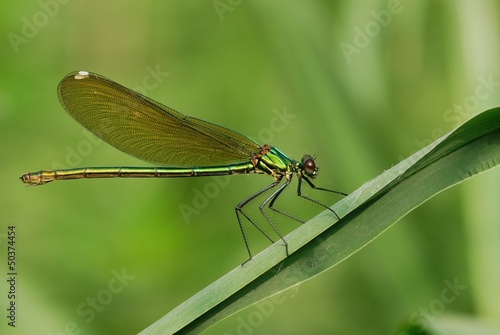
(81, 75)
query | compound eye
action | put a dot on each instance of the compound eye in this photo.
(309, 166)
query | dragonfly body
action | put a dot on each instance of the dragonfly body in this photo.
(183, 146)
(269, 161)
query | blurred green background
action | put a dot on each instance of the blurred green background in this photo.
(360, 84)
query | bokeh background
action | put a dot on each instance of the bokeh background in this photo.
(360, 84)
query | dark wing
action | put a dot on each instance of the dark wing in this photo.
(146, 129)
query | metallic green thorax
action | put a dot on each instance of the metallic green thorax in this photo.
(276, 163)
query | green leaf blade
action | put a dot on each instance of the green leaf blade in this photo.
(323, 242)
